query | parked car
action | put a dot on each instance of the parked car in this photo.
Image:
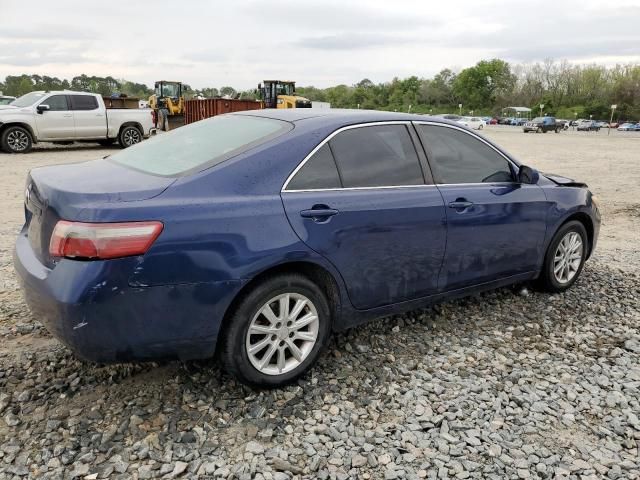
(476, 123)
(614, 125)
(504, 121)
(542, 124)
(67, 116)
(6, 100)
(237, 234)
(602, 124)
(628, 127)
(493, 121)
(588, 126)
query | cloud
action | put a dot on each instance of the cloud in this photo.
(351, 41)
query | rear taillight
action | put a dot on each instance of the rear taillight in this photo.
(93, 241)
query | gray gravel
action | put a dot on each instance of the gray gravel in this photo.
(509, 384)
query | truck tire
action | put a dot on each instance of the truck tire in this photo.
(129, 136)
(16, 139)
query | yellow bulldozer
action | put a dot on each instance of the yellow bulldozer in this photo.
(281, 94)
(169, 98)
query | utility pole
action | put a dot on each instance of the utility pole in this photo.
(613, 108)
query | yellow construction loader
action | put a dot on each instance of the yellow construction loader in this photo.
(281, 94)
(168, 99)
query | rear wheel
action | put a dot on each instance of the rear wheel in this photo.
(129, 135)
(538, 130)
(276, 332)
(16, 140)
(565, 257)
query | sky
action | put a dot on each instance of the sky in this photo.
(314, 42)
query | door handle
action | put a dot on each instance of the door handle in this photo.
(460, 204)
(319, 213)
(68, 115)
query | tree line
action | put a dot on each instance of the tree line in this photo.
(566, 90)
(17, 85)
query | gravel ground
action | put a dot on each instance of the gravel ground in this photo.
(508, 384)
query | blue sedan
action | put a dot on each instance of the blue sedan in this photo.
(254, 235)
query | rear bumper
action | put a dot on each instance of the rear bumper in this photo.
(91, 308)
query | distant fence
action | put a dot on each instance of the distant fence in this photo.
(195, 110)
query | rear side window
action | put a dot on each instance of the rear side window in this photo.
(57, 103)
(83, 102)
(317, 173)
(376, 156)
(458, 157)
(200, 145)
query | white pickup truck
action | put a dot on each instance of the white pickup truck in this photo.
(65, 117)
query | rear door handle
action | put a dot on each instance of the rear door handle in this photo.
(319, 214)
(460, 204)
(68, 115)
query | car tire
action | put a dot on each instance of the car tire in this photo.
(16, 139)
(480, 127)
(129, 136)
(269, 351)
(565, 257)
(539, 130)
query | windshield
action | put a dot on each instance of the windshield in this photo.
(538, 119)
(200, 145)
(6, 100)
(168, 90)
(28, 99)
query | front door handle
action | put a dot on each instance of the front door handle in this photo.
(68, 115)
(319, 213)
(460, 204)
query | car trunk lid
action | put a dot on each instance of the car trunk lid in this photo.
(72, 192)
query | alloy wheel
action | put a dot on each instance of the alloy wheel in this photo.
(131, 137)
(17, 140)
(567, 258)
(282, 334)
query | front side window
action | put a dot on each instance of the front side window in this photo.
(319, 172)
(458, 157)
(84, 102)
(376, 156)
(200, 145)
(57, 103)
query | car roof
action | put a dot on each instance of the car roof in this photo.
(337, 117)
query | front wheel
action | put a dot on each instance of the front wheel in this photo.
(16, 140)
(565, 257)
(129, 136)
(276, 332)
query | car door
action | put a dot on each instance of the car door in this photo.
(57, 122)
(495, 225)
(361, 199)
(90, 119)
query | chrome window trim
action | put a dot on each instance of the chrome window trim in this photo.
(406, 123)
(384, 187)
(474, 135)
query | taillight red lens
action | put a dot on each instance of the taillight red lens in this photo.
(102, 240)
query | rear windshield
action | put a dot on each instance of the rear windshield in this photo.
(200, 145)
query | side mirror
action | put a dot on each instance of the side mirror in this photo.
(43, 107)
(528, 175)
